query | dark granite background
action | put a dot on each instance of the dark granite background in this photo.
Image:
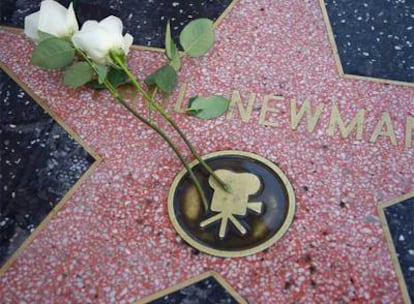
(207, 291)
(39, 163)
(374, 37)
(145, 20)
(400, 218)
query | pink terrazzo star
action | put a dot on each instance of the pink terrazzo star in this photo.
(113, 242)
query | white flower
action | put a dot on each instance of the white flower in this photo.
(52, 18)
(98, 39)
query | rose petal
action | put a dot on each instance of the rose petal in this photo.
(51, 19)
(97, 40)
(71, 21)
(112, 24)
(94, 44)
(127, 42)
(89, 25)
(30, 26)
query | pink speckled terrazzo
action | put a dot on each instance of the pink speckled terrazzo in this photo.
(113, 242)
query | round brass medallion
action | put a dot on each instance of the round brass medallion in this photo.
(249, 218)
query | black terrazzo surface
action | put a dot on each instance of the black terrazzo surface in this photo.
(375, 38)
(400, 218)
(207, 291)
(145, 20)
(39, 163)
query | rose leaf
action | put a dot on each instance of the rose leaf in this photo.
(171, 49)
(197, 37)
(53, 53)
(78, 74)
(164, 78)
(207, 107)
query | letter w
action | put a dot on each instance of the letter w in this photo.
(312, 119)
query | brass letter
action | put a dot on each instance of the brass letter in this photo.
(296, 117)
(336, 119)
(266, 108)
(389, 129)
(179, 103)
(409, 131)
(245, 113)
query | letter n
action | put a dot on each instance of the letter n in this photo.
(245, 113)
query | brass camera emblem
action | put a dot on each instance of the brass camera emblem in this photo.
(250, 216)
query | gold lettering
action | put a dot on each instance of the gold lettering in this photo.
(356, 123)
(312, 119)
(409, 126)
(244, 113)
(178, 107)
(266, 109)
(389, 129)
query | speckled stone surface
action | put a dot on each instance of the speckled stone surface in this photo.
(113, 242)
(400, 222)
(375, 38)
(39, 162)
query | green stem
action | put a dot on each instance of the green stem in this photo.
(169, 142)
(167, 117)
(160, 132)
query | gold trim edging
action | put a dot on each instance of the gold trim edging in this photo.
(381, 206)
(221, 253)
(67, 196)
(338, 61)
(191, 281)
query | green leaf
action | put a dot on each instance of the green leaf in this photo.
(164, 78)
(207, 107)
(171, 49)
(78, 74)
(44, 36)
(53, 53)
(115, 76)
(197, 37)
(150, 81)
(102, 71)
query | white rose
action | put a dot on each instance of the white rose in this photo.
(98, 39)
(52, 18)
